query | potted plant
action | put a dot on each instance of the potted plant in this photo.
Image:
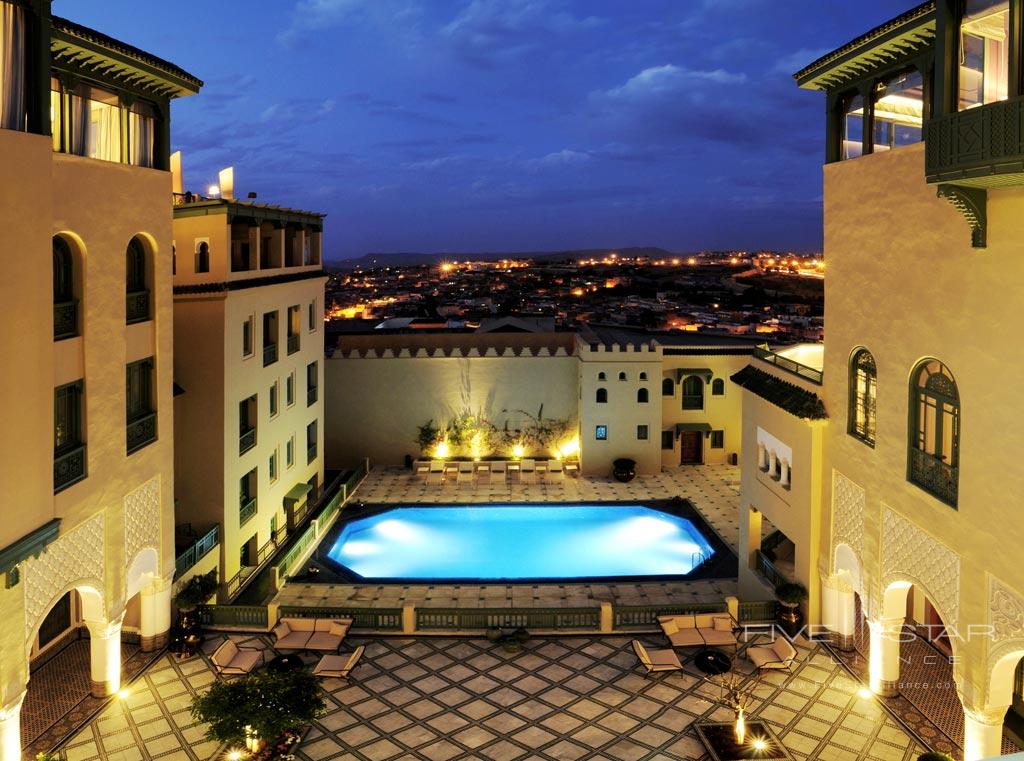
(263, 713)
(934, 756)
(790, 595)
(624, 469)
(197, 591)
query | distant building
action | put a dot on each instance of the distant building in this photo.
(86, 541)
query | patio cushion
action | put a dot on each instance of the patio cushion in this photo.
(340, 627)
(300, 624)
(282, 630)
(323, 641)
(704, 621)
(783, 649)
(247, 660)
(686, 638)
(225, 653)
(322, 624)
(715, 637)
(294, 641)
(723, 624)
(330, 665)
(670, 626)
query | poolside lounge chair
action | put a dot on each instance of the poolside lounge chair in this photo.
(421, 468)
(656, 660)
(338, 666)
(229, 658)
(498, 472)
(436, 473)
(467, 473)
(779, 655)
(528, 472)
(555, 472)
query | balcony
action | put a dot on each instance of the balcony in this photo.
(269, 354)
(68, 467)
(980, 147)
(311, 454)
(311, 393)
(293, 343)
(935, 476)
(137, 306)
(813, 374)
(141, 431)
(65, 320)
(196, 551)
(246, 440)
(246, 511)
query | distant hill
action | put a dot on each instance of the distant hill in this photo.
(413, 259)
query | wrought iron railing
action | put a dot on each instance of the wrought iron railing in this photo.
(246, 511)
(246, 440)
(65, 319)
(382, 619)
(234, 615)
(550, 619)
(141, 431)
(269, 354)
(311, 393)
(68, 467)
(137, 306)
(647, 615)
(758, 612)
(785, 363)
(311, 454)
(767, 570)
(293, 343)
(199, 549)
(935, 476)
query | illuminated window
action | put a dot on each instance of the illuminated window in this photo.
(934, 451)
(899, 111)
(863, 382)
(601, 433)
(141, 133)
(984, 52)
(57, 115)
(12, 66)
(853, 128)
(641, 433)
(95, 123)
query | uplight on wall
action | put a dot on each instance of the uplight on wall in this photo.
(518, 451)
(213, 191)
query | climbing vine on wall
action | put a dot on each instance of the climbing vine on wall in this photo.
(472, 435)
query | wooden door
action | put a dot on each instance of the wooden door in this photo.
(691, 448)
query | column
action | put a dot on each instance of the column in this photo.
(155, 615)
(784, 478)
(105, 656)
(10, 730)
(839, 611)
(983, 733)
(772, 460)
(884, 660)
(254, 247)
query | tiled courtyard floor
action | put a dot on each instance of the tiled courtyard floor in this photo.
(561, 698)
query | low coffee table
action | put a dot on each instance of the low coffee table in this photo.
(285, 662)
(712, 662)
(760, 742)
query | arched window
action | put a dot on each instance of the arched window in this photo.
(934, 445)
(136, 282)
(602, 377)
(622, 376)
(693, 393)
(642, 396)
(602, 396)
(203, 257)
(718, 387)
(863, 381)
(65, 308)
(668, 388)
(643, 376)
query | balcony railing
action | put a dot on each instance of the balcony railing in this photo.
(983, 145)
(269, 354)
(246, 510)
(935, 476)
(767, 570)
(65, 319)
(310, 395)
(137, 306)
(785, 363)
(293, 343)
(141, 431)
(68, 467)
(311, 454)
(246, 440)
(197, 551)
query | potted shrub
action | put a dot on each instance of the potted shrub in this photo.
(624, 469)
(198, 590)
(263, 712)
(790, 596)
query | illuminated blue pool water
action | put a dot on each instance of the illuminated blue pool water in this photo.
(520, 542)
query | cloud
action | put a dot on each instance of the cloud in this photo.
(668, 80)
(295, 110)
(489, 33)
(311, 15)
(560, 159)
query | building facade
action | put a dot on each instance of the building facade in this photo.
(87, 536)
(921, 471)
(248, 333)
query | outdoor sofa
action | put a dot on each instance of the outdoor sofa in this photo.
(321, 634)
(699, 630)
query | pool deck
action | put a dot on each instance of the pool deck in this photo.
(712, 489)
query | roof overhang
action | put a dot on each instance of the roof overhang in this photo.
(705, 373)
(894, 40)
(704, 428)
(297, 493)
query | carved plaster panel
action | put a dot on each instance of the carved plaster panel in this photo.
(847, 514)
(909, 553)
(142, 519)
(78, 555)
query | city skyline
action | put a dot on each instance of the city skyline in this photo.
(440, 126)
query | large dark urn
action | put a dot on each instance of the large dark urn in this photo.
(790, 618)
(624, 469)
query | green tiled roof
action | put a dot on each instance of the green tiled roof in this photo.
(790, 397)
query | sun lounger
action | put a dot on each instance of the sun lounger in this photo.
(421, 468)
(229, 658)
(497, 472)
(467, 473)
(656, 660)
(338, 666)
(555, 471)
(528, 472)
(436, 473)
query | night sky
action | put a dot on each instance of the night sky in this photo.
(507, 125)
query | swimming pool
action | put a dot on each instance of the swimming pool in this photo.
(520, 542)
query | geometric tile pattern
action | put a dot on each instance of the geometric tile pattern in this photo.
(909, 553)
(560, 698)
(847, 514)
(142, 519)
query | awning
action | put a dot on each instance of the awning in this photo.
(703, 372)
(692, 428)
(296, 494)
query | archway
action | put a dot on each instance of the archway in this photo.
(147, 601)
